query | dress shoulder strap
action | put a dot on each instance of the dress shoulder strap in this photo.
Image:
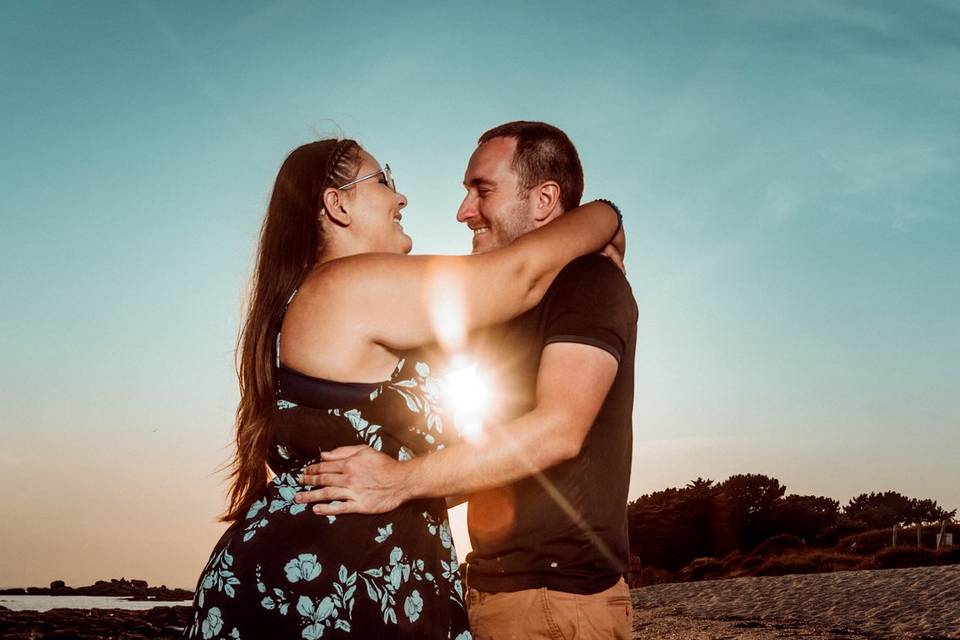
(280, 316)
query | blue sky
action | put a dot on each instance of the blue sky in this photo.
(788, 173)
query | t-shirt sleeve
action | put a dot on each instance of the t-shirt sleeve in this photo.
(590, 303)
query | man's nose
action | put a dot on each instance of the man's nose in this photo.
(467, 209)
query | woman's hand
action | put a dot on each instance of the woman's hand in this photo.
(616, 249)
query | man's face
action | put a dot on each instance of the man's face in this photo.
(493, 207)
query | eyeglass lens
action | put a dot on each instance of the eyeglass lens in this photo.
(388, 175)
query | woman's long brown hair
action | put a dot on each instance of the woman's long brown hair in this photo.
(291, 242)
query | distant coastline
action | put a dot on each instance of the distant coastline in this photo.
(120, 588)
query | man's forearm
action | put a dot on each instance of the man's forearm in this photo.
(531, 443)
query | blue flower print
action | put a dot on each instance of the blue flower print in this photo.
(287, 486)
(422, 394)
(278, 599)
(212, 624)
(384, 532)
(429, 385)
(413, 605)
(303, 567)
(256, 507)
(405, 389)
(316, 613)
(384, 585)
(251, 529)
(446, 539)
(345, 590)
(366, 430)
(220, 575)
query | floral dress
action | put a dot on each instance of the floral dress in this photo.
(285, 572)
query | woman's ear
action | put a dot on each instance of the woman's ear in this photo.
(333, 207)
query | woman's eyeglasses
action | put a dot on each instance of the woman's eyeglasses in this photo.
(387, 176)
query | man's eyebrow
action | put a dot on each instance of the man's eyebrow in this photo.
(477, 182)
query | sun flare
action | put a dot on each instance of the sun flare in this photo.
(468, 394)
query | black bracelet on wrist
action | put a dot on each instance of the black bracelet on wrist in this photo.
(616, 210)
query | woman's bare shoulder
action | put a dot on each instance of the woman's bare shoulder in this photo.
(325, 336)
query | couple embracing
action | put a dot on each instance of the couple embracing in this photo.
(342, 380)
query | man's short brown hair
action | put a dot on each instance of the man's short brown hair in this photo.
(543, 153)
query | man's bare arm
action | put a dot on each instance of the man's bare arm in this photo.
(572, 383)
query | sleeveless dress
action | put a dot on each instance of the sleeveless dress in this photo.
(285, 572)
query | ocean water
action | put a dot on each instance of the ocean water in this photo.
(45, 603)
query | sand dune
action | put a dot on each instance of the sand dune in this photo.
(922, 602)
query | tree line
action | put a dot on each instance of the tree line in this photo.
(670, 528)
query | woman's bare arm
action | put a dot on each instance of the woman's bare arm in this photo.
(402, 302)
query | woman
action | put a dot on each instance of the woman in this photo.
(332, 280)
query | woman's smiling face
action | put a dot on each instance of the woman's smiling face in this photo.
(374, 209)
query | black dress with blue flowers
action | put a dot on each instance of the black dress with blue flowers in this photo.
(285, 572)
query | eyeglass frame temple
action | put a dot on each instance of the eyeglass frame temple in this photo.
(387, 173)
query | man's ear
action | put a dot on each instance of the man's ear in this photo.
(546, 202)
(333, 207)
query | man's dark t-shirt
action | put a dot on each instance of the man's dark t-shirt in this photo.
(564, 528)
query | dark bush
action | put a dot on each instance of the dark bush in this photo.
(749, 563)
(812, 562)
(903, 557)
(650, 574)
(731, 562)
(785, 565)
(950, 555)
(703, 569)
(672, 527)
(775, 546)
(830, 536)
(778, 545)
(870, 543)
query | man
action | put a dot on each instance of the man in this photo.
(548, 489)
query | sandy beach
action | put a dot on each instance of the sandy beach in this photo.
(915, 603)
(918, 604)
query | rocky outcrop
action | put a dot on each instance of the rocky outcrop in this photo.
(122, 588)
(95, 624)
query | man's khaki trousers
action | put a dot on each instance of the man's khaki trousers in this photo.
(551, 615)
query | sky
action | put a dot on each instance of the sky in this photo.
(788, 173)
